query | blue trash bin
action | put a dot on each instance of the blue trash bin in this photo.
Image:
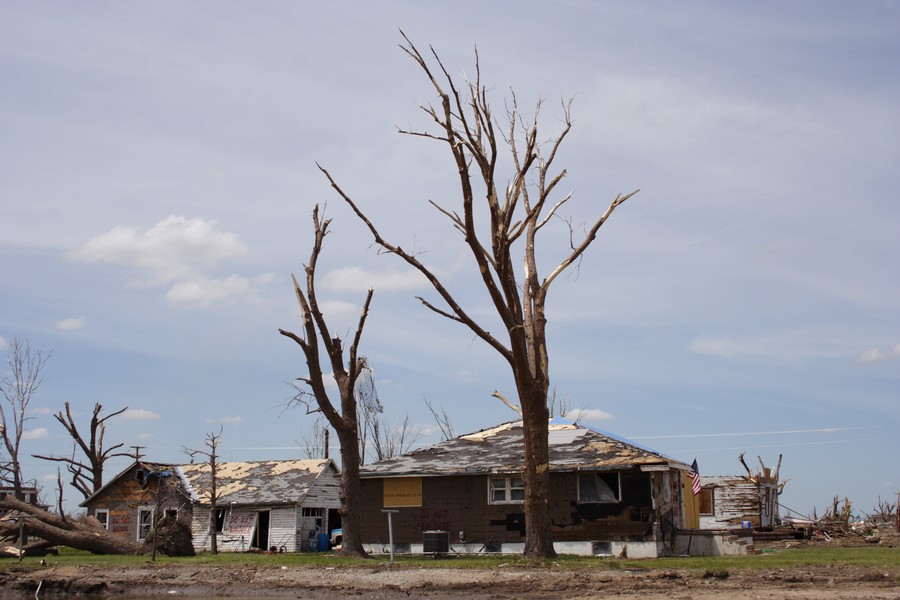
(324, 544)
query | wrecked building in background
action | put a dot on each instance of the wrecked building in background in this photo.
(128, 504)
(277, 504)
(609, 496)
(284, 504)
(741, 501)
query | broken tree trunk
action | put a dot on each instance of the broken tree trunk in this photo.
(83, 534)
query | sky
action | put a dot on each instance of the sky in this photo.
(158, 176)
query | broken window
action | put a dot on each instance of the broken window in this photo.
(599, 488)
(707, 501)
(506, 490)
(145, 523)
(102, 515)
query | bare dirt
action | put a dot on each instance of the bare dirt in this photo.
(380, 580)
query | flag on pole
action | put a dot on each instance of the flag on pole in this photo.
(694, 474)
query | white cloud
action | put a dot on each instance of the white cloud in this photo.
(35, 434)
(3, 344)
(166, 250)
(356, 279)
(176, 251)
(139, 414)
(41, 410)
(72, 324)
(49, 477)
(338, 310)
(144, 436)
(877, 354)
(589, 415)
(229, 420)
(203, 291)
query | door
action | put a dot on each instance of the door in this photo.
(261, 537)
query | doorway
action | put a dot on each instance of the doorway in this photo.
(261, 539)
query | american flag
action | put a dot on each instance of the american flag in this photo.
(694, 474)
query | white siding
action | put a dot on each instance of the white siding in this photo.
(283, 528)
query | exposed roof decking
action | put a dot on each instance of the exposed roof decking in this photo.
(501, 450)
(257, 482)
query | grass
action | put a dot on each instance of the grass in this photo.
(874, 557)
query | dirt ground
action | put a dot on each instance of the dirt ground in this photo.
(839, 581)
(381, 581)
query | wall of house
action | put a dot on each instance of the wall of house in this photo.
(737, 501)
(125, 498)
(239, 531)
(460, 506)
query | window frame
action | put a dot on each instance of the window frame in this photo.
(144, 510)
(105, 520)
(709, 491)
(509, 490)
(602, 475)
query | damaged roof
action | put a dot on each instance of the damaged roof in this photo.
(501, 449)
(256, 482)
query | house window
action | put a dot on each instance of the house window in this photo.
(506, 490)
(145, 523)
(220, 520)
(597, 488)
(707, 501)
(102, 515)
(172, 513)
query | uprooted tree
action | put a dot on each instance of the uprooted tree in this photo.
(84, 534)
(500, 224)
(87, 472)
(344, 419)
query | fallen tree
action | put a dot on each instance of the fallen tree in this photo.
(83, 534)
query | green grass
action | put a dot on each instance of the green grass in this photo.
(875, 557)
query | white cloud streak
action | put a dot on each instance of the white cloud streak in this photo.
(357, 279)
(827, 430)
(73, 324)
(877, 354)
(139, 414)
(35, 434)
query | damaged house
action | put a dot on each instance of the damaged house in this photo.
(283, 504)
(276, 504)
(741, 501)
(128, 504)
(609, 496)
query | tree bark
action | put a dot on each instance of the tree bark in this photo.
(83, 535)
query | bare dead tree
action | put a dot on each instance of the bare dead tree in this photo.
(389, 440)
(442, 419)
(18, 386)
(87, 472)
(369, 405)
(561, 406)
(313, 442)
(211, 442)
(513, 215)
(344, 420)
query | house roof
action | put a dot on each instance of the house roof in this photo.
(257, 482)
(153, 467)
(501, 449)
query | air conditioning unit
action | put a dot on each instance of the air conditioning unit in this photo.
(436, 542)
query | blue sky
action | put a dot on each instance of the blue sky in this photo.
(157, 177)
